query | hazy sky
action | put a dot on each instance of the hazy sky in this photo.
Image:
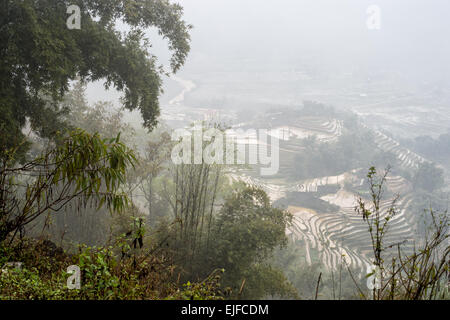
(413, 39)
(412, 31)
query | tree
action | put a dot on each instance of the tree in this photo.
(420, 275)
(101, 117)
(40, 56)
(193, 195)
(377, 220)
(245, 233)
(84, 167)
(90, 226)
(429, 177)
(153, 163)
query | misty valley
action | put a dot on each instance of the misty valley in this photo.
(224, 150)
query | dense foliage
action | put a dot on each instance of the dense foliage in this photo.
(40, 55)
(86, 189)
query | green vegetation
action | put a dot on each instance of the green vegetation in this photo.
(428, 177)
(201, 237)
(435, 149)
(334, 284)
(355, 148)
(417, 276)
(84, 167)
(306, 200)
(40, 56)
(86, 189)
(104, 276)
(140, 227)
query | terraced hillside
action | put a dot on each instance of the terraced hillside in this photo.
(408, 159)
(325, 130)
(277, 191)
(342, 236)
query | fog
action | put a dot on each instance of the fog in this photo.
(253, 61)
(413, 35)
(326, 36)
(291, 132)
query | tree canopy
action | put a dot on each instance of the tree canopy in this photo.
(40, 55)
